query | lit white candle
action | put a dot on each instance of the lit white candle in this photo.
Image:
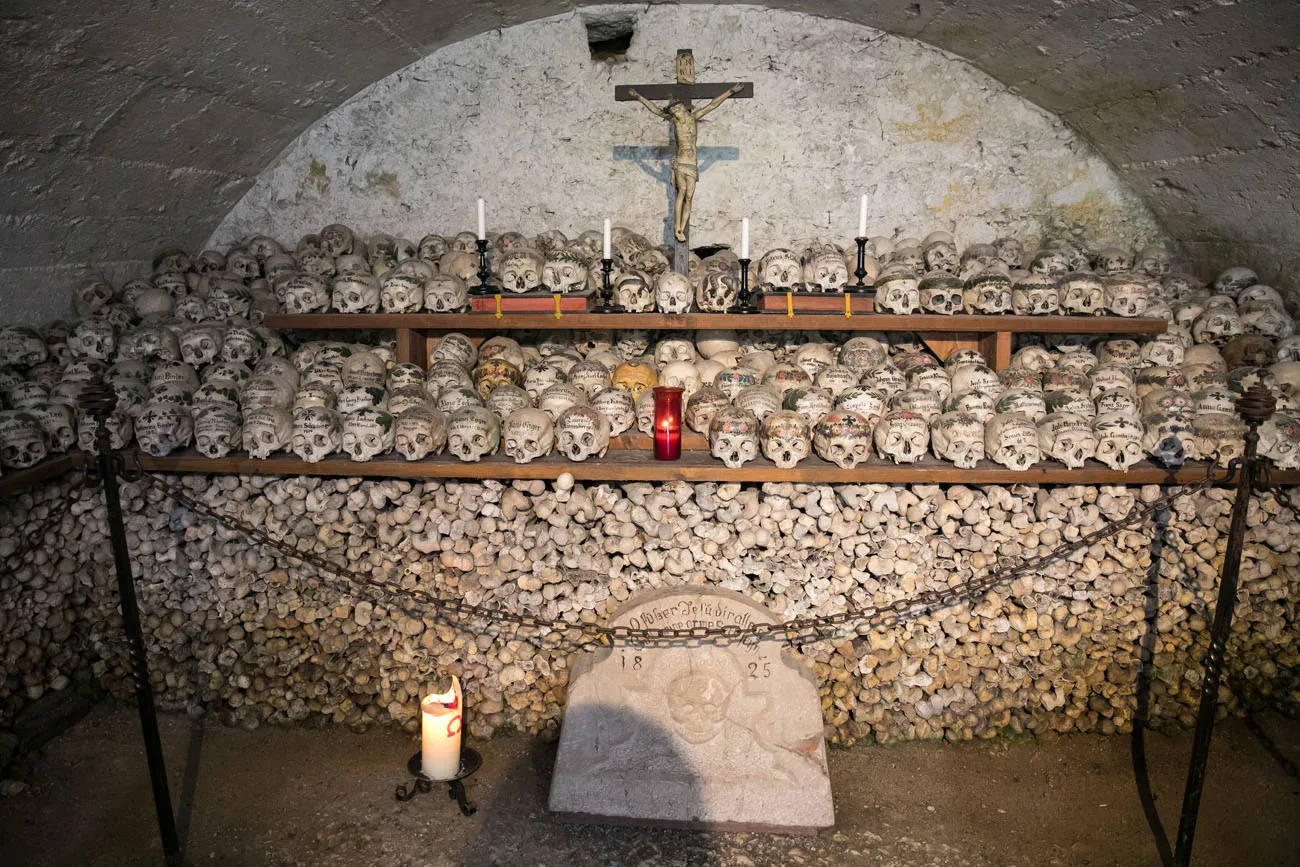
(482, 222)
(441, 720)
(606, 256)
(862, 218)
(744, 238)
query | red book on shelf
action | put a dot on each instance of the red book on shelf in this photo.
(815, 302)
(531, 302)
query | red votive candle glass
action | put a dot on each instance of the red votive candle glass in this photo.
(668, 423)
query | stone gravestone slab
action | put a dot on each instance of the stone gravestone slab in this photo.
(696, 735)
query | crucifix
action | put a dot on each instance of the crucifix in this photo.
(685, 127)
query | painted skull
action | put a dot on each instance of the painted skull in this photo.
(976, 403)
(733, 380)
(120, 432)
(266, 431)
(559, 398)
(317, 433)
(355, 293)
(988, 293)
(1083, 295)
(1166, 438)
(93, 339)
(367, 433)
(903, 436)
(618, 406)
(702, 406)
(1279, 440)
(1011, 439)
(401, 293)
(1125, 295)
(582, 432)
(835, 379)
(786, 438)
(733, 436)
(1218, 437)
(958, 437)
(940, 255)
(527, 434)
(218, 430)
(779, 269)
(521, 269)
(162, 428)
(897, 290)
(1118, 438)
(445, 293)
(23, 441)
(1068, 438)
(493, 372)
(825, 272)
(717, 292)
(1217, 325)
(941, 293)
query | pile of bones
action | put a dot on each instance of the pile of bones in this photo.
(192, 365)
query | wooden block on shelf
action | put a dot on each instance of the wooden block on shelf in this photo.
(532, 302)
(815, 302)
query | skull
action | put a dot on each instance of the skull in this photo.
(717, 292)
(543, 376)
(1217, 325)
(1218, 437)
(528, 433)
(1288, 349)
(1214, 399)
(368, 433)
(582, 432)
(971, 377)
(702, 406)
(559, 398)
(590, 376)
(449, 400)
(825, 272)
(976, 403)
(59, 421)
(445, 293)
(672, 350)
(564, 271)
(683, 375)
(1113, 260)
(733, 436)
(162, 428)
(1109, 377)
(455, 347)
(835, 379)
(92, 296)
(759, 400)
(918, 401)
(988, 293)
(1118, 438)
(521, 269)
(1011, 439)
(734, 379)
(463, 242)
(1118, 401)
(1233, 280)
(1050, 261)
(885, 378)
(265, 391)
(1067, 438)
(1260, 295)
(897, 290)
(505, 399)
(940, 255)
(306, 293)
(1166, 438)
(779, 269)
(355, 293)
(23, 441)
(1279, 440)
(935, 380)
(408, 397)
(200, 344)
(218, 430)
(317, 432)
(493, 372)
(785, 438)
(401, 293)
(618, 406)
(266, 431)
(1083, 295)
(1163, 349)
(242, 344)
(633, 292)
(1268, 321)
(1125, 295)
(25, 395)
(94, 339)
(902, 435)
(1249, 350)
(812, 403)
(120, 431)
(673, 293)
(1154, 262)
(21, 347)
(866, 402)
(958, 437)
(908, 253)
(941, 293)
(860, 354)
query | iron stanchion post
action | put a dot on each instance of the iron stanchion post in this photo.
(1255, 407)
(98, 400)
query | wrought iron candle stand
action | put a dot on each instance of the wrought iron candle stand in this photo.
(485, 285)
(861, 287)
(744, 298)
(470, 762)
(607, 304)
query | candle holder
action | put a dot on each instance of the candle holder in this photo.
(668, 423)
(485, 285)
(470, 762)
(861, 287)
(744, 298)
(607, 304)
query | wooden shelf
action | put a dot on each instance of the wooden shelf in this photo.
(694, 466)
(991, 335)
(692, 321)
(17, 481)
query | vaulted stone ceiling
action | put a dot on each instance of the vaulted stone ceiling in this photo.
(130, 125)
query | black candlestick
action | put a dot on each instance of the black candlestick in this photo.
(485, 285)
(470, 761)
(607, 304)
(860, 287)
(744, 300)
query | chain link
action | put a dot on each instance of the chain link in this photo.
(812, 628)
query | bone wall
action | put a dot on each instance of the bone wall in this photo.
(524, 118)
(258, 640)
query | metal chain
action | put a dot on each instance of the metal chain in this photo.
(805, 628)
(58, 510)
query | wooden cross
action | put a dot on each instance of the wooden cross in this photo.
(683, 119)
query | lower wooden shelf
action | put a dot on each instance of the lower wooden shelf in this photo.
(697, 466)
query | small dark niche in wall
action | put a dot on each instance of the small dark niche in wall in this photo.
(609, 40)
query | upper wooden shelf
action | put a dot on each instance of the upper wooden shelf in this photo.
(640, 466)
(690, 321)
(16, 481)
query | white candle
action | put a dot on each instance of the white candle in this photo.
(744, 238)
(862, 218)
(482, 222)
(441, 721)
(606, 256)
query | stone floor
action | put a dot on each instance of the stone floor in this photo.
(325, 798)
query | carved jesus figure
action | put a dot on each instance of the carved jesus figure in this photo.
(686, 167)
